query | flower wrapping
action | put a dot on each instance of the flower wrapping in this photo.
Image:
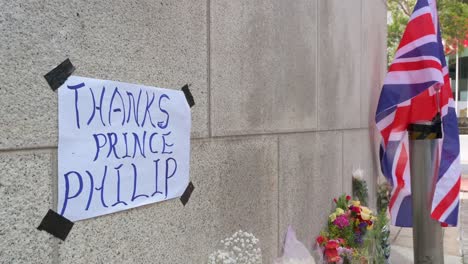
(294, 252)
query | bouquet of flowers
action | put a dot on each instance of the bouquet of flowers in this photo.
(360, 190)
(342, 241)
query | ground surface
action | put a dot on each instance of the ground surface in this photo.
(455, 238)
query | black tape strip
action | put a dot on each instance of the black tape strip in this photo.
(187, 193)
(56, 225)
(188, 95)
(425, 131)
(59, 74)
(428, 130)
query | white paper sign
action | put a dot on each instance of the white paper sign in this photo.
(121, 146)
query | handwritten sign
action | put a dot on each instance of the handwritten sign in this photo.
(121, 146)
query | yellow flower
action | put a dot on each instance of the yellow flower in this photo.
(365, 216)
(356, 203)
(369, 227)
(366, 210)
(332, 217)
(339, 211)
(366, 213)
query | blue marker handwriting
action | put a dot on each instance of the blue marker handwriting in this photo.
(132, 144)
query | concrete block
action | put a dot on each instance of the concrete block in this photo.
(263, 66)
(374, 58)
(157, 43)
(358, 154)
(452, 245)
(310, 177)
(26, 196)
(235, 188)
(339, 62)
(405, 255)
(405, 239)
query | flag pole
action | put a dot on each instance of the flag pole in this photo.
(456, 79)
(427, 233)
(456, 98)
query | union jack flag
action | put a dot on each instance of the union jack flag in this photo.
(416, 88)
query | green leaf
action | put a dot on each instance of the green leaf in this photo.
(453, 16)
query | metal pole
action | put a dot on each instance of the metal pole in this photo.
(427, 233)
(456, 78)
(456, 97)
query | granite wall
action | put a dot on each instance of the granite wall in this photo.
(285, 92)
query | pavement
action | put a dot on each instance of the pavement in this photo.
(464, 222)
(455, 238)
(402, 245)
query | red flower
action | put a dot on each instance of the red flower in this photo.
(334, 199)
(332, 244)
(355, 209)
(332, 255)
(348, 197)
(360, 218)
(321, 240)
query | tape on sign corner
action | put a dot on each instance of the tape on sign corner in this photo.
(187, 193)
(59, 74)
(56, 225)
(188, 95)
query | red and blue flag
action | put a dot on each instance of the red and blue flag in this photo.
(416, 88)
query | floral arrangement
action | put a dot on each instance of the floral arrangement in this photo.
(379, 236)
(383, 196)
(343, 238)
(383, 237)
(359, 185)
(241, 248)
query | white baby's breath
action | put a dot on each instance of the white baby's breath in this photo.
(358, 174)
(240, 248)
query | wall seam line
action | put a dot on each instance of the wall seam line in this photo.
(317, 65)
(28, 149)
(288, 133)
(278, 184)
(208, 63)
(360, 64)
(54, 184)
(232, 136)
(342, 165)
